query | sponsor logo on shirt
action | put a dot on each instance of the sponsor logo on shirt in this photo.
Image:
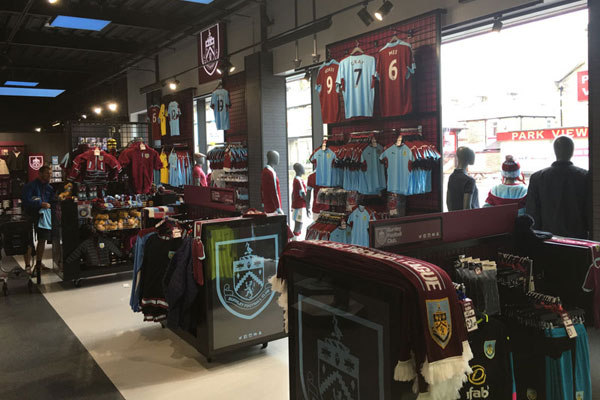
(478, 378)
(440, 321)
(489, 348)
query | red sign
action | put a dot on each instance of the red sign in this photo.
(543, 134)
(212, 49)
(583, 84)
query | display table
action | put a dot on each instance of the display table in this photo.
(236, 306)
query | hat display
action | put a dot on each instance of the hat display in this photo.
(510, 168)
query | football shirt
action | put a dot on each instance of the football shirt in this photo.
(398, 162)
(162, 116)
(340, 235)
(221, 104)
(328, 92)
(359, 219)
(324, 160)
(174, 114)
(371, 180)
(153, 113)
(356, 75)
(312, 183)
(395, 67)
(298, 193)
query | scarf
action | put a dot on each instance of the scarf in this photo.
(431, 317)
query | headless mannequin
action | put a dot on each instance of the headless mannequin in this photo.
(198, 171)
(465, 157)
(272, 161)
(299, 169)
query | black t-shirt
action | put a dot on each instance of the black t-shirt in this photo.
(460, 183)
(492, 374)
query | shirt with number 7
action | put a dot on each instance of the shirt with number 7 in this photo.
(220, 103)
(356, 77)
(328, 92)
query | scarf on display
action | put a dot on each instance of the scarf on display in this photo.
(439, 350)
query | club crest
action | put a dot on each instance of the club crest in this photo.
(489, 348)
(210, 49)
(440, 321)
(36, 162)
(243, 287)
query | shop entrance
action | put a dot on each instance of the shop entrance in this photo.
(513, 92)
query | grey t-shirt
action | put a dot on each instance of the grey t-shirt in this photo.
(459, 184)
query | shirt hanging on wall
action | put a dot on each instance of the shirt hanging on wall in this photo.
(359, 219)
(162, 115)
(371, 180)
(356, 75)
(174, 114)
(395, 68)
(153, 115)
(328, 92)
(324, 160)
(398, 168)
(221, 104)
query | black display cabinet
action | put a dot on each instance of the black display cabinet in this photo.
(236, 307)
(67, 219)
(341, 336)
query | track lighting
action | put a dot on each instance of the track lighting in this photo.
(497, 27)
(98, 110)
(365, 16)
(112, 106)
(38, 130)
(173, 84)
(384, 10)
(83, 116)
(52, 1)
(226, 66)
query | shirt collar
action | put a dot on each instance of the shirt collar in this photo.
(562, 163)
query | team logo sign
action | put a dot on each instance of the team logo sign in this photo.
(489, 348)
(36, 162)
(210, 49)
(531, 394)
(440, 321)
(331, 352)
(243, 286)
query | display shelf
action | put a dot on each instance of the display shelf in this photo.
(117, 209)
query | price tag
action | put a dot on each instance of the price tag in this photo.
(571, 332)
(469, 312)
(176, 233)
(478, 270)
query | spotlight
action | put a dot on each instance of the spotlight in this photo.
(52, 1)
(307, 76)
(83, 116)
(112, 106)
(98, 110)
(57, 123)
(384, 10)
(38, 130)
(225, 66)
(173, 84)
(297, 63)
(230, 67)
(365, 16)
(497, 27)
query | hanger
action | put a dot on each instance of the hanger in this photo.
(357, 49)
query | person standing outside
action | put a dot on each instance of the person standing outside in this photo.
(558, 197)
(36, 198)
(511, 190)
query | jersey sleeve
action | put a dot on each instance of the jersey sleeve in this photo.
(213, 101)
(589, 284)
(227, 100)
(470, 186)
(319, 82)
(339, 79)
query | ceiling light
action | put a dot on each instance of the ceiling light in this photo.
(83, 116)
(230, 67)
(90, 24)
(57, 123)
(384, 10)
(307, 76)
(52, 1)
(112, 106)
(98, 110)
(21, 83)
(365, 16)
(173, 84)
(38, 130)
(497, 27)
(29, 92)
(225, 66)
(297, 63)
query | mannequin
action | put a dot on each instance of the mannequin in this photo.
(198, 172)
(269, 188)
(462, 190)
(300, 200)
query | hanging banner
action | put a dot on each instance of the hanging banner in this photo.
(543, 134)
(583, 86)
(212, 48)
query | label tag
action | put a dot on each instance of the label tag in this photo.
(142, 146)
(176, 233)
(469, 312)
(571, 332)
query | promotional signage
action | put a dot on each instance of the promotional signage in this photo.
(543, 134)
(212, 49)
(407, 232)
(583, 82)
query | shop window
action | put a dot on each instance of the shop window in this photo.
(512, 93)
(206, 134)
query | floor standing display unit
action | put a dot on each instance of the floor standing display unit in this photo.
(236, 306)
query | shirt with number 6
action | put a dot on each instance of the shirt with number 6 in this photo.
(221, 104)
(328, 92)
(356, 77)
(395, 68)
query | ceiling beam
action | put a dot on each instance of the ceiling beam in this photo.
(118, 16)
(57, 41)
